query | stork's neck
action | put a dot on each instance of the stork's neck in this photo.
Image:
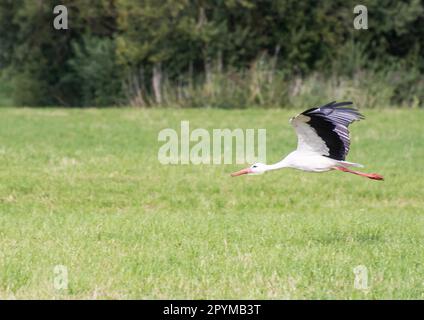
(278, 165)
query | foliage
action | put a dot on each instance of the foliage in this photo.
(94, 65)
(5, 90)
(146, 52)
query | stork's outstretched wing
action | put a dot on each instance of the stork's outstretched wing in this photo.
(324, 130)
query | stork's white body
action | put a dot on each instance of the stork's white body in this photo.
(310, 161)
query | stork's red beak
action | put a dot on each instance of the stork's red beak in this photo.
(239, 173)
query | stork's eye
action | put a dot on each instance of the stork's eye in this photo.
(254, 166)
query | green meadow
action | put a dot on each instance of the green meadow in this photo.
(83, 189)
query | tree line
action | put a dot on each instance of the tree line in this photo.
(224, 53)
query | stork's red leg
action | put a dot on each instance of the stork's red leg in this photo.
(373, 176)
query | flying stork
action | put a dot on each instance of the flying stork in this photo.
(322, 142)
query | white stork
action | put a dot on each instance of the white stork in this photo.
(322, 142)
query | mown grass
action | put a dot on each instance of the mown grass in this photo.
(84, 189)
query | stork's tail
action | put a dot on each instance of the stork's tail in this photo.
(350, 164)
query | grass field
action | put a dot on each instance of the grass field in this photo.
(84, 189)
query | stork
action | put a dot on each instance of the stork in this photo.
(322, 142)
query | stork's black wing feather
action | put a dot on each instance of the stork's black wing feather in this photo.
(331, 122)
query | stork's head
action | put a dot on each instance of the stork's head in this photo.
(256, 168)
